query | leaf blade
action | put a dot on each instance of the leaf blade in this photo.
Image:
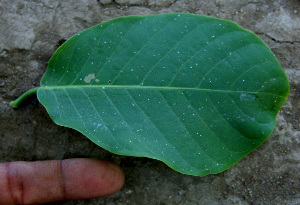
(197, 93)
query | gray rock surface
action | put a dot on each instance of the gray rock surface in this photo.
(31, 31)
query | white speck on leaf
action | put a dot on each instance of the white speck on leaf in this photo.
(89, 78)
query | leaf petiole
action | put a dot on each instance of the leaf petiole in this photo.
(19, 100)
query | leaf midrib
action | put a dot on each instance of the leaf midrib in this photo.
(153, 88)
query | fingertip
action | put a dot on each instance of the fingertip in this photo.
(118, 174)
(109, 178)
(91, 178)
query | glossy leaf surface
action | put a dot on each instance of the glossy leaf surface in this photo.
(195, 92)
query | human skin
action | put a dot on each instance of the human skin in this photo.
(58, 180)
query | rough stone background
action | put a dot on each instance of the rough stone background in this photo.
(31, 31)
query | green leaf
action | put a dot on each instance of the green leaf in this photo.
(195, 92)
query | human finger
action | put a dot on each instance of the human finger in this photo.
(57, 180)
